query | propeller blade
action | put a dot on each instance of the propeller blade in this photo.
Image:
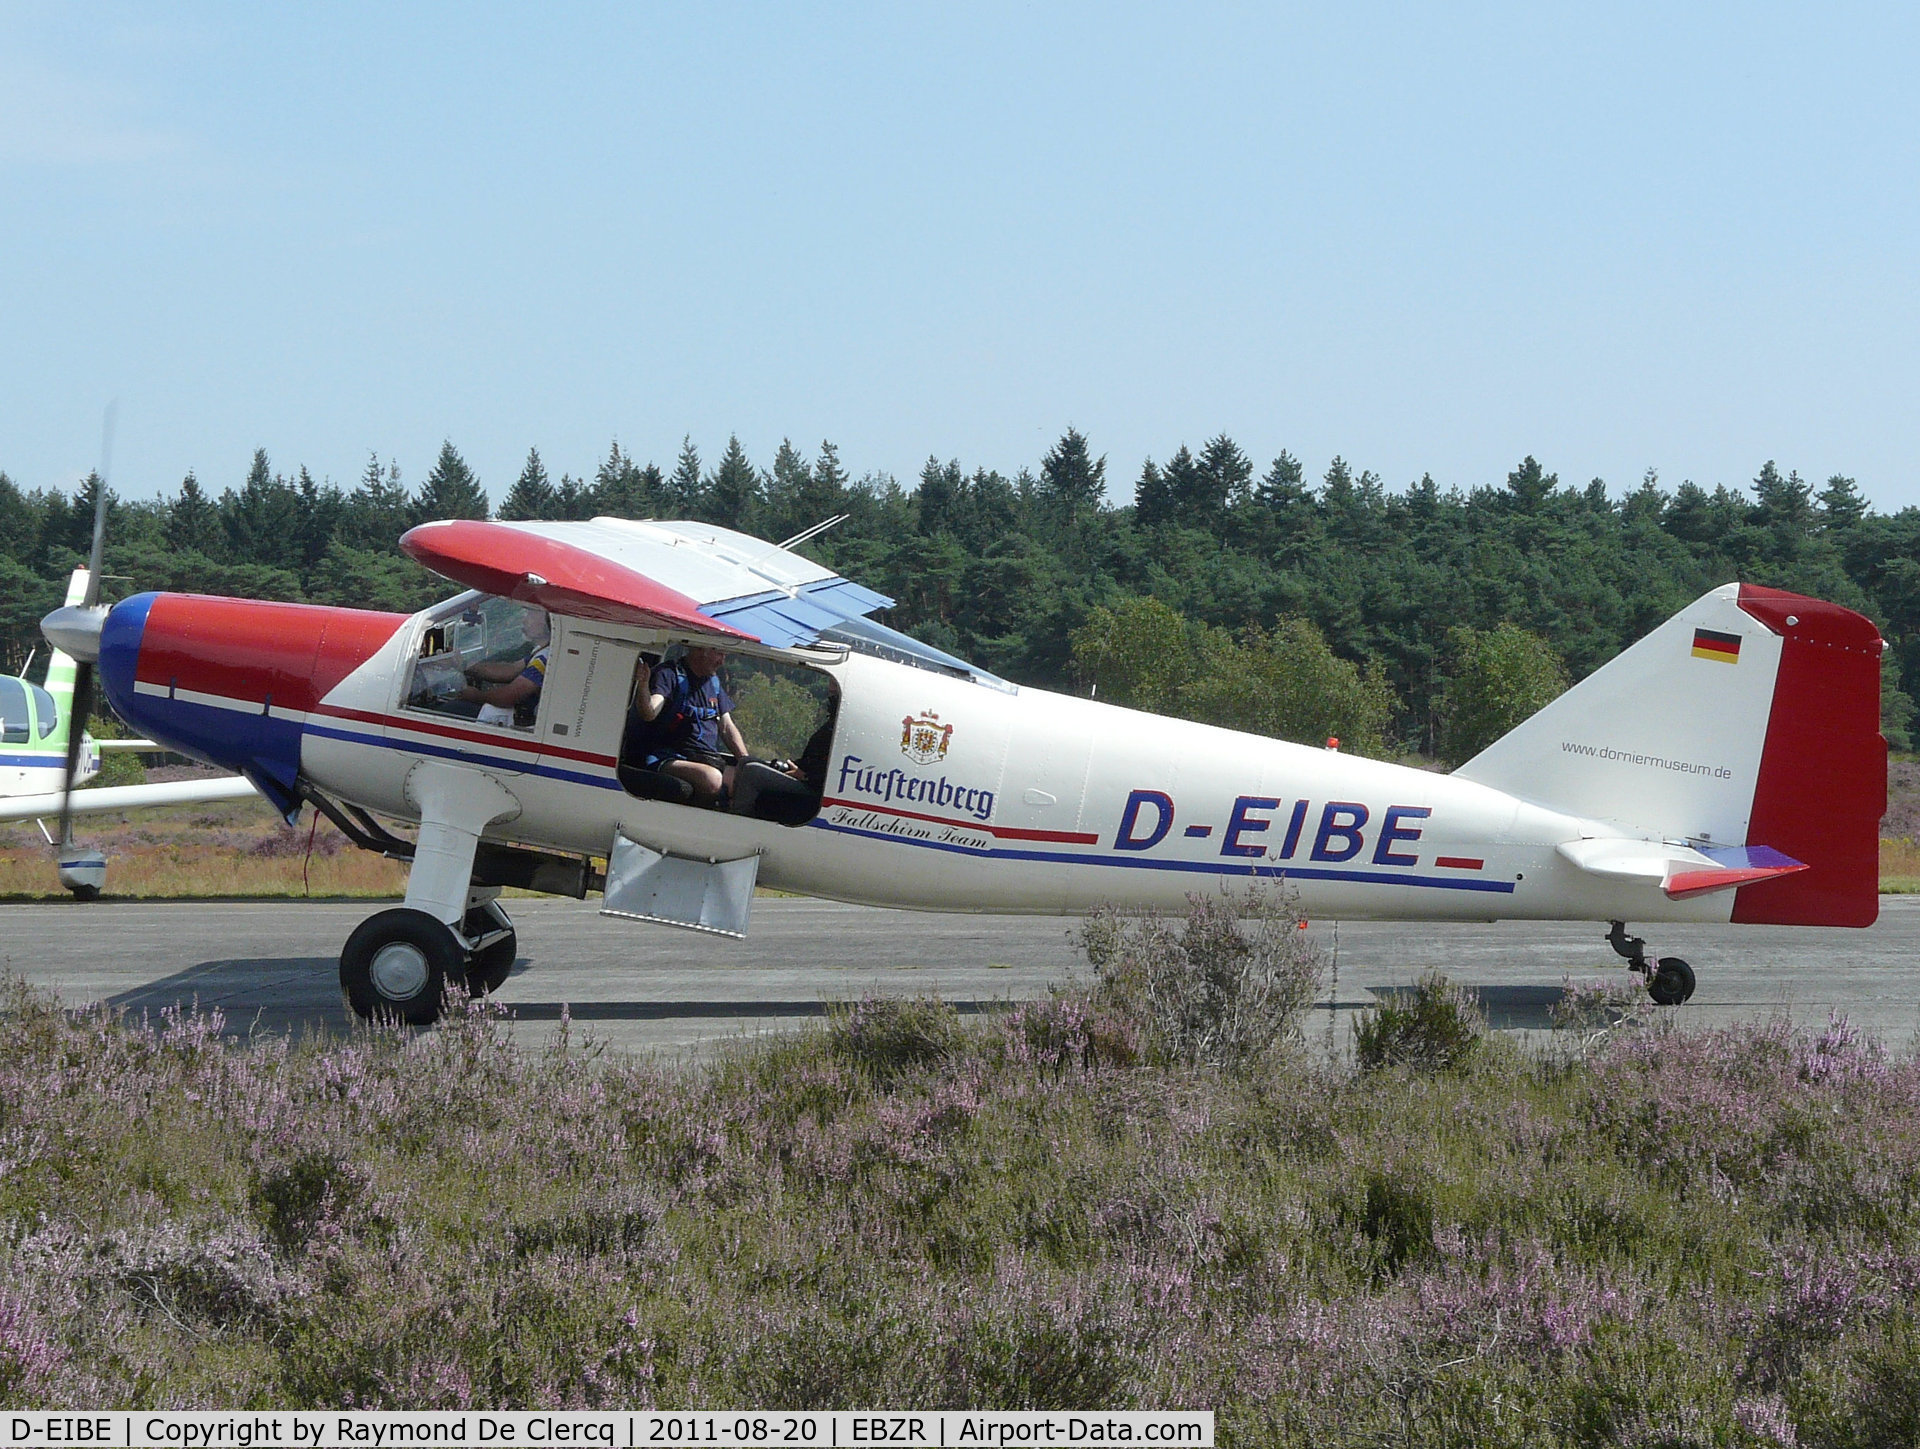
(81, 711)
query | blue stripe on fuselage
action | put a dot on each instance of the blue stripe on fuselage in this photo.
(469, 757)
(1196, 867)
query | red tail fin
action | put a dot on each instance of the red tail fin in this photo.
(1822, 786)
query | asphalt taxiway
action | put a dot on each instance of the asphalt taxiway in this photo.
(271, 965)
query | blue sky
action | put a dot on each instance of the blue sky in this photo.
(1427, 239)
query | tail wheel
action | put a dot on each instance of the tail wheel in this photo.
(490, 966)
(1671, 982)
(396, 965)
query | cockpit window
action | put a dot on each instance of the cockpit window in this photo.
(864, 636)
(46, 713)
(485, 660)
(13, 712)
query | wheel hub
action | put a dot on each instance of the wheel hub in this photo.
(399, 971)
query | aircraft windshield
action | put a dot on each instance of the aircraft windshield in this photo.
(13, 712)
(864, 636)
(485, 661)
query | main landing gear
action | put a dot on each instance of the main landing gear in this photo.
(451, 934)
(1669, 980)
(398, 965)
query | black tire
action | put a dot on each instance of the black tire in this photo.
(1672, 983)
(86, 893)
(397, 965)
(490, 966)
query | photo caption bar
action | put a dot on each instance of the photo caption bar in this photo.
(613, 1429)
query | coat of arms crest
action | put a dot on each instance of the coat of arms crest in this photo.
(925, 738)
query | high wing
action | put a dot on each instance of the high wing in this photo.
(710, 582)
(128, 797)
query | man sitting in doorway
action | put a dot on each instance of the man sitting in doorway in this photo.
(509, 689)
(687, 714)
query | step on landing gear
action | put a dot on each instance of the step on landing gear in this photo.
(1669, 980)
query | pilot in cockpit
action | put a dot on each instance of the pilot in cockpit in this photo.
(507, 688)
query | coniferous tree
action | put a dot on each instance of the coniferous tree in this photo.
(1841, 505)
(1071, 478)
(193, 522)
(317, 510)
(1152, 498)
(262, 519)
(624, 490)
(733, 494)
(684, 487)
(942, 496)
(574, 497)
(531, 496)
(1188, 491)
(1227, 475)
(451, 489)
(824, 493)
(786, 486)
(1283, 487)
(379, 510)
(1530, 485)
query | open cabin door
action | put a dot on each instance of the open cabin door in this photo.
(583, 704)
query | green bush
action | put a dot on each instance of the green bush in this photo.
(1436, 1027)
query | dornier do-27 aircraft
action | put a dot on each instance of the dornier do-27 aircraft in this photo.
(1728, 767)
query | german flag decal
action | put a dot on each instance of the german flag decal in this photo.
(1711, 644)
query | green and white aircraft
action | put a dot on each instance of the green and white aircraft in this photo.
(36, 724)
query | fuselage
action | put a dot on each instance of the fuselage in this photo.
(940, 792)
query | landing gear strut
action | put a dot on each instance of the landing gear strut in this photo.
(1669, 980)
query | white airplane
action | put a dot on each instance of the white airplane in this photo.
(36, 745)
(1728, 767)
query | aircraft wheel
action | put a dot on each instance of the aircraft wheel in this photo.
(1671, 983)
(396, 965)
(490, 966)
(85, 892)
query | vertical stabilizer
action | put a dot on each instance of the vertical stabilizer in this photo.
(60, 668)
(1752, 717)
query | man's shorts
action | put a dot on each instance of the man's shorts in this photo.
(694, 753)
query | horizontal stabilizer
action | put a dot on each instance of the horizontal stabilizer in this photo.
(1678, 870)
(1733, 865)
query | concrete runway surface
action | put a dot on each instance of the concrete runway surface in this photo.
(272, 965)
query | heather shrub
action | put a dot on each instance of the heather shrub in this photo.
(291, 1200)
(1599, 1005)
(1223, 988)
(1436, 1027)
(889, 1037)
(1675, 1237)
(1070, 1030)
